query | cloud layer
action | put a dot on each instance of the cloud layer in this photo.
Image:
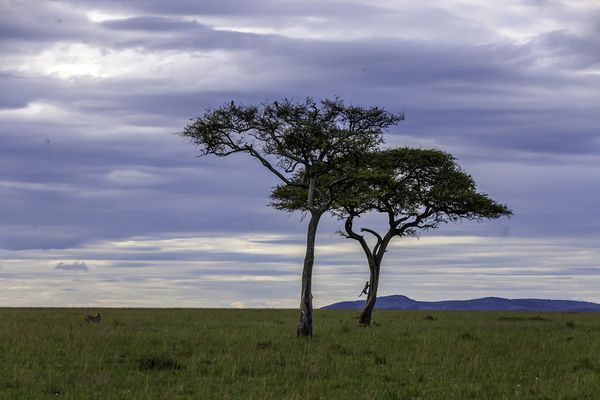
(91, 95)
(74, 266)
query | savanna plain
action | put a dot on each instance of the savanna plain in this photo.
(254, 354)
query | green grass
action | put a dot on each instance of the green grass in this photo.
(254, 354)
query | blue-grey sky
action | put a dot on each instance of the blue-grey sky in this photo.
(102, 205)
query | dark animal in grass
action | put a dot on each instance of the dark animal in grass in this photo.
(91, 319)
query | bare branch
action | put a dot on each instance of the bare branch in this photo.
(349, 228)
(268, 165)
(372, 232)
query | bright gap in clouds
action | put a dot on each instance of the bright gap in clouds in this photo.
(206, 70)
(77, 60)
(99, 16)
(264, 271)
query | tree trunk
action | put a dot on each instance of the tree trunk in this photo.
(365, 316)
(375, 258)
(305, 326)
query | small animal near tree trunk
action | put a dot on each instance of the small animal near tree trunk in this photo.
(415, 189)
(365, 315)
(374, 257)
(299, 143)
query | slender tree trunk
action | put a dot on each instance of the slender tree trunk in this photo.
(365, 316)
(305, 326)
(374, 268)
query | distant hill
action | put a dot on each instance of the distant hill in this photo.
(398, 302)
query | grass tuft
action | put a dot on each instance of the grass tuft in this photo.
(264, 345)
(157, 362)
(340, 349)
(584, 364)
(380, 360)
(346, 329)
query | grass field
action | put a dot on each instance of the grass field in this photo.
(253, 354)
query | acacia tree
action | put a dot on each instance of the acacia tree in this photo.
(299, 143)
(416, 189)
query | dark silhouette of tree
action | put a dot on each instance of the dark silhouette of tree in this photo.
(416, 189)
(299, 143)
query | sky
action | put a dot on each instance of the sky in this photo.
(103, 205)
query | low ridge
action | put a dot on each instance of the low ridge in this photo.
(400, 302)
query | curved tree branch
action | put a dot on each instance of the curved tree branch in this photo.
(356, 236)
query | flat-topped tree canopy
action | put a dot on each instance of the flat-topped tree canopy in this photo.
(418, 188)
(285, 136)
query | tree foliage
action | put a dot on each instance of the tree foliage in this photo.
(416, 189)
(286, 136)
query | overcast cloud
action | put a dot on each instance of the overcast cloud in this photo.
(101, 204)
